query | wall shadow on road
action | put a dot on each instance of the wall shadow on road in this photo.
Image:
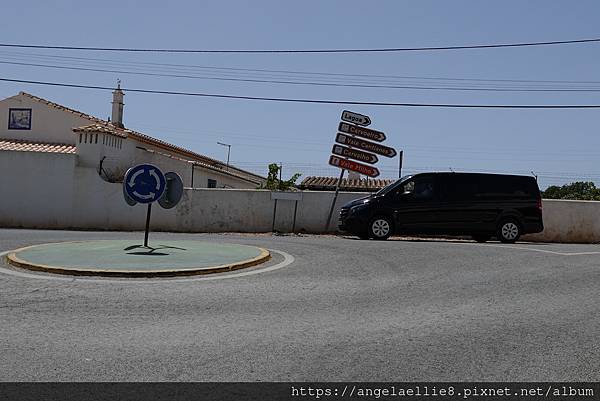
(451, 240)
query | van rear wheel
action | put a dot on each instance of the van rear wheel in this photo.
(509, 231)
(380, 228)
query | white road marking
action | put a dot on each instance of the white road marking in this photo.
(287, 260)
(536, 250)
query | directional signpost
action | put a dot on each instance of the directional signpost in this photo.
(354, 166)
(145, 184)
(365, 145)
(362, 132)
(356, 118)
(358, 146)
(354, 154)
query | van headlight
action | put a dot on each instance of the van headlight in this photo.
(358, 208)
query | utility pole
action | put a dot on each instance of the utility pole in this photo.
(228, 151)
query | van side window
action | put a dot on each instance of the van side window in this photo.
(420, 188)
(504, 188)
(459, 188)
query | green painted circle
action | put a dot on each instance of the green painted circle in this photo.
(127, 255)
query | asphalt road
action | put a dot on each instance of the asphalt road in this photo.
(344, 310)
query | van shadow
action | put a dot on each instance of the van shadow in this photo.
(149, 250)
(452, 240)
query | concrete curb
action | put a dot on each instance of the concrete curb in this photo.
(14, 260)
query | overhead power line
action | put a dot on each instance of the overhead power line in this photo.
(314, 101)
(91, 62)
(310, 83)
(363, 50)
(326, 141)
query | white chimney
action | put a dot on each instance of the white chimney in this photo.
(117, 106)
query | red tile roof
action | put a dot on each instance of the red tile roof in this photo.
(193, 157)
(103, 126)
(106, 128)
(28, 146)
(60, 107)
(201, 164)
(329, 183)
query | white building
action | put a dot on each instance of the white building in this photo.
(67, 140)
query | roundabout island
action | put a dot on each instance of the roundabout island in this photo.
(144, 184)
(126, 258)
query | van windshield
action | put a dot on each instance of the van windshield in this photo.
(391, 186)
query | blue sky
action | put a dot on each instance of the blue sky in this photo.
(559, 145)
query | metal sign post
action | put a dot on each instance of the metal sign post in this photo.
(400, 157)
(337, 190)
(146, 184)
(147, 231)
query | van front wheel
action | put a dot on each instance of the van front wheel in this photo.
(509, 231)
(380, 228)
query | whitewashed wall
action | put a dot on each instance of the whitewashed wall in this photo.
(569, 221)
(200, 210)
(40, 195)
(48, 124)
(43, 196)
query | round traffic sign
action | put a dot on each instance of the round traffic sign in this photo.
(128, 199)
(173, 191)
(144, 183)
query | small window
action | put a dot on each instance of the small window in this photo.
(80, 137)
(96, 139)
(19, 119)
(212, 183)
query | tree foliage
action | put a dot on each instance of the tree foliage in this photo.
(275, 184)
(576, 190)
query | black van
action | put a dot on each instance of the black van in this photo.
(475, 204)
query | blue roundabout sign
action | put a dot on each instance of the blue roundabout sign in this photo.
(144, 183)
